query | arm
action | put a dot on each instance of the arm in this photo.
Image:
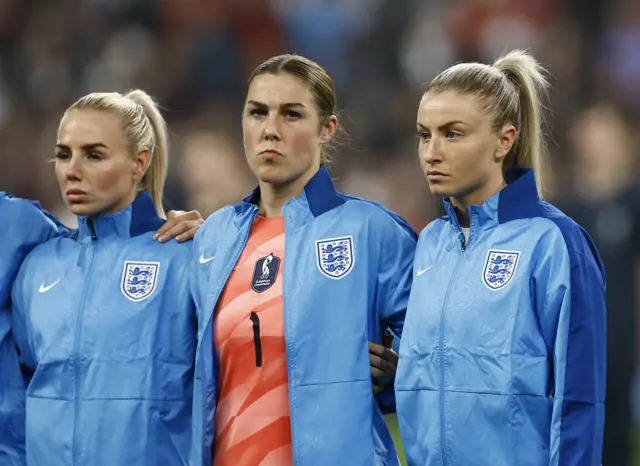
(27, 225)
(12, 398)
(396, 243)
(574, 300)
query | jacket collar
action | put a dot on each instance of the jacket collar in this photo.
(138, 218)
(319, 196)
(518, 200)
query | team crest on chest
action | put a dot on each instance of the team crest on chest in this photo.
(499, 268)
(139, 279)
(265, 273)
(335, 256)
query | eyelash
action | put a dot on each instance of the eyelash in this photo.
(291, 114)
(424, 136)
(91, 156)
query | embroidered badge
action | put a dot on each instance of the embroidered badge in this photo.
(499, 268)
(139, 279)
(335, 256)
(265, 273)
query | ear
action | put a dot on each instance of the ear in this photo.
(329, 130)
(141, 164)
(506, 137)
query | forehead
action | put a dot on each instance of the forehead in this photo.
(439, 108)
(277, 89)
(89, 126)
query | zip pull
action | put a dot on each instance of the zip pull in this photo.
(92, 228)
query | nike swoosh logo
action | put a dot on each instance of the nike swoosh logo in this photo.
(204, 260)
(44, 289)
(421, 271)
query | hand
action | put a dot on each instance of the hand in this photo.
(180, 225)
(383, 361)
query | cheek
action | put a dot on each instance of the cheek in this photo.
(111, 179)
(304, 144)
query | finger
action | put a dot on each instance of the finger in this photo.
(387, 339)
(176, 230)
(375, 348)
(383, 352)
(188, 235)
(376, 361)
(390, 355)
(382, 364)
(175, 213)
(376, 373)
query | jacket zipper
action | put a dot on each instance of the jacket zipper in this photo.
(463, 248)
(288, 343)
(256, 338)
(206, 334)
(78, 340)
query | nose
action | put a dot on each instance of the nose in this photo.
(73, 170)
(431, 151)
(272, 128)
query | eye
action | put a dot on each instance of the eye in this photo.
(94, 156)
(424, 136)
(453, 134)
(257, 112)
(62, 155)
(292, 114)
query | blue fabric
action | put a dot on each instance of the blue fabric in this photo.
(25, 226)
(105, 321)
(502, 358)
(328, 321)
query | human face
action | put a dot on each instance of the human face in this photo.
(460, 151)
(95, 170)
(282, 131)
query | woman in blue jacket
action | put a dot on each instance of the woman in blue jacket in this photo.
(103, 317)
(502, 359)
(26, 226)
(290, 285)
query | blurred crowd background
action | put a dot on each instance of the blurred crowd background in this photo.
(195, 56)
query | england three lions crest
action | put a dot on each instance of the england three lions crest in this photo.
(139, 279)
(499, 268)
(335, 256)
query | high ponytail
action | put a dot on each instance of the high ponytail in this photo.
(527, 77)
(156, 175)
(511, 91)
(144, 128)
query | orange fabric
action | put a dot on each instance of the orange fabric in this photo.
(252, 422)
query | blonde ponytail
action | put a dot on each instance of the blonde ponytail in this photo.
(156, 175)
(511, 91)
(144, 127)
(527, 76)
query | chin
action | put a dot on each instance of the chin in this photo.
(81, 209)
(273, 175)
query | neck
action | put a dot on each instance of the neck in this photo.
(477, 197)
(273, 197)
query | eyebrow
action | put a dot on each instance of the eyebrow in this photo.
(85, 147)
(445, 125)
(285, 105)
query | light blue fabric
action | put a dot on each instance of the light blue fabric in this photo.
(106, 322)
(25, 225)
(328, 321)
(502, 359)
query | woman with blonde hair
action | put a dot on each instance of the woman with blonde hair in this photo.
(502, 358)
(103, 316)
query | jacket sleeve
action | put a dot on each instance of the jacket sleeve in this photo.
(12, 398)
(26, 226)
(395, 249)
(573, 316)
